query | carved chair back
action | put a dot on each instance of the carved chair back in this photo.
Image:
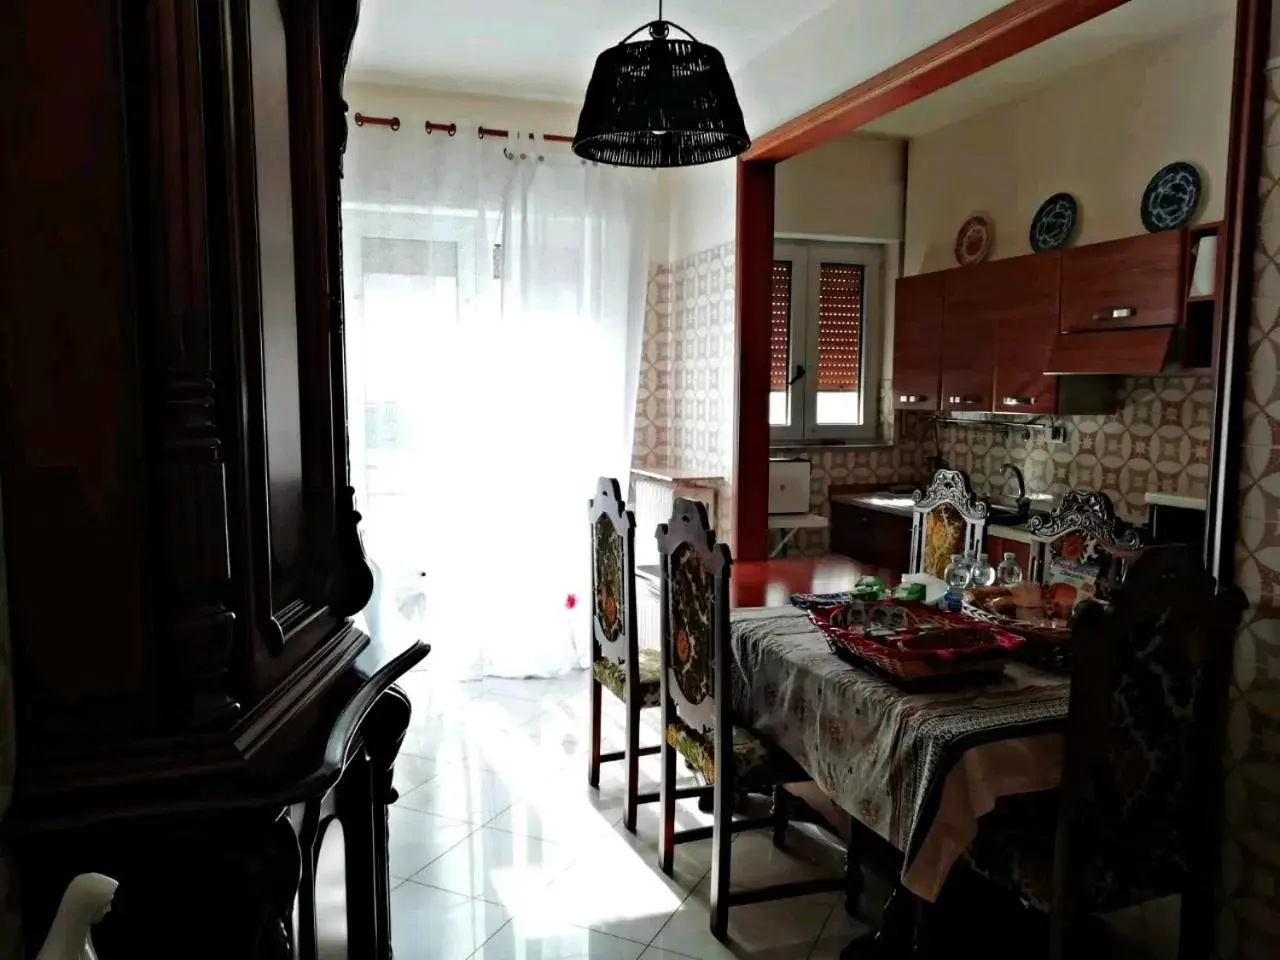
(1081, 548)
(695, 620)
(946, 518)
(613, 575)
(1148, 691)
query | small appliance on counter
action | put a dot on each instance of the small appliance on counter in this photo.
(789, 485)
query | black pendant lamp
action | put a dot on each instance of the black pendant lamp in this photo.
(660, 102)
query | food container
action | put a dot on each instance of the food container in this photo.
(912, 642)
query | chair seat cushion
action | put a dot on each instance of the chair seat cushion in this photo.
(613, 677)
(756, 763)
(1014, 849)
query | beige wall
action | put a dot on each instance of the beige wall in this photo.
(1099, 133)
(703, 207)
(851, 187)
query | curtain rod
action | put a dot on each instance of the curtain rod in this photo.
(451, 129)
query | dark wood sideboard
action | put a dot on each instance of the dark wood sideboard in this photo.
(193, 700)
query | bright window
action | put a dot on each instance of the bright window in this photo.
(824, 342)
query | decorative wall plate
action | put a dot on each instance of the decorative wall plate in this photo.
(1171, 198)
(1054, 224)
(973, 242)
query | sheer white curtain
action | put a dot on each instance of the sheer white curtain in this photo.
(495, 309)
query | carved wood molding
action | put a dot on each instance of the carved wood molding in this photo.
(952, 488)
(193, 566)
(1092, 514)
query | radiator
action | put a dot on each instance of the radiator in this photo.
(648, 612)
(653, 500)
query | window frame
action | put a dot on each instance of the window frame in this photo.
(806, 260)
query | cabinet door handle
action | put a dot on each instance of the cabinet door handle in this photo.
(1018, 401)
(967, 400)
(912, 398)
(1115, 313)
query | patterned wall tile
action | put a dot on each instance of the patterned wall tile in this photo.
(653, 400)
(1159, 440)
(701, 334)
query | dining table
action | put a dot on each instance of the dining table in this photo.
(917, 767)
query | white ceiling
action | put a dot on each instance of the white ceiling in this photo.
(1135, 23)
(543, 49)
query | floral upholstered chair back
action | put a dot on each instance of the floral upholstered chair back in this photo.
(695, 612)
(946, 519)
(613, 613)
(1082, 549)
(1148, 688)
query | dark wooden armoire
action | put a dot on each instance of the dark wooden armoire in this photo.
(193, 702)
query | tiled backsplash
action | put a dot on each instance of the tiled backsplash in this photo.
(1160, 439)
(653, 401)
(684, 410)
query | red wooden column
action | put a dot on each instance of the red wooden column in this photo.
(751, 360)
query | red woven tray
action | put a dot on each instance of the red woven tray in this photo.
(932, 643)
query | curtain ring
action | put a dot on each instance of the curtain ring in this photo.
(508, 154)
(453, 129)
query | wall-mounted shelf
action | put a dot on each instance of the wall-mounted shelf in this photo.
(1202, 312)
(1056, 432)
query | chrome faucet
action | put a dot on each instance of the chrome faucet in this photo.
(1008, 468)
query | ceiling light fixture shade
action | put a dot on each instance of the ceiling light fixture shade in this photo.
(660, 102)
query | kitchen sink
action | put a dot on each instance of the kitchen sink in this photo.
(1009, 511)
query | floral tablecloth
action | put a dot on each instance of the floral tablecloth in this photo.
(918, 768)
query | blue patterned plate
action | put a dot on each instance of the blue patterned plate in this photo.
(1171, 198)
(1054, 224)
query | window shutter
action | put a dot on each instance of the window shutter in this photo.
(780, 327)
(839, 326)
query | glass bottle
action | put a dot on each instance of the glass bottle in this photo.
(957, 573)
(983, 574)
(1009, 572)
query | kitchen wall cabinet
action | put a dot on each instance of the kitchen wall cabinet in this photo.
(1024, 295)
(917, 342)
(991, 333)
(1134, 282)
(969, 332)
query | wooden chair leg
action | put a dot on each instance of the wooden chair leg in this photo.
(779, 813)
(667, 800)
(721, 836)
(593, 758)
(633, 766)
(853, 879)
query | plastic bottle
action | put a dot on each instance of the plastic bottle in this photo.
(1008, 573)
(957, 574)
(983, 574)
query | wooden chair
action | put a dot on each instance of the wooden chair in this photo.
(946, 518)
(1134, 818)
(1082, 547)
(617, 662)
(697, 693)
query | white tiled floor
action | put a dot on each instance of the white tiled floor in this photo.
(500, 850)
